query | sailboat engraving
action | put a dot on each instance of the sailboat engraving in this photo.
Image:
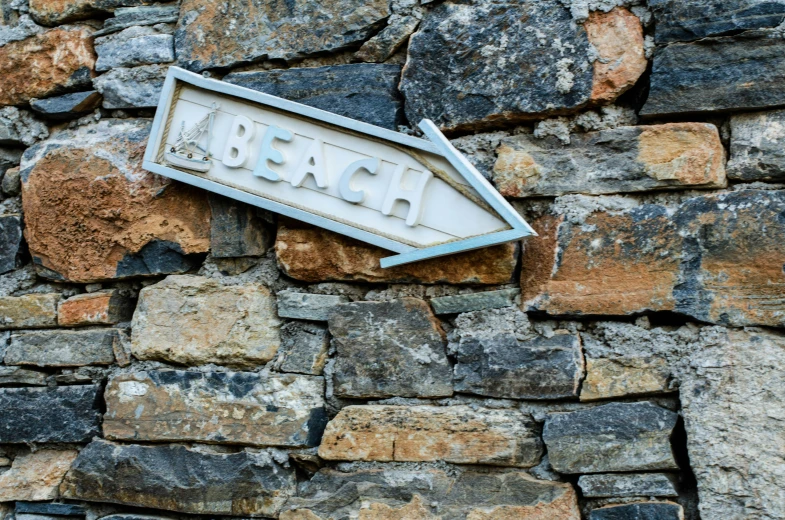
(187, 151)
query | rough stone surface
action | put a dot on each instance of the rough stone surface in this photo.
(125, 17)
(232, 32)
(54, 12)
(389, 40)
(237, 229)
(50, 508)
(611, 437)
(139, 224)
(23, 28)
(45, 64)
(684, 75)
(305, 306)
(732, 402)
(609, 378)
(61, 414)
(624, 159)
(630, 485)
(19, 127)
(639, 511)
(216, 407)
(107, 307)
(241, 484)
(30, 311)
(15, 376)
(757, 146)
(63, 348)
(366, 92)
(11, 185)
(67, 106)
(35, 476)
(302, 253)
(474, 301)
(134, 46)
(9, 157)
(430, 494)
(193, 320)
(303, 348)
(386, 349)
(467, 62)
(10, 241)
(456, 434)
(137, 87)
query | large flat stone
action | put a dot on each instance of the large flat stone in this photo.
(639, 511)
(757, 146)
(611, 437)
(66, 106)
(228, 325)
(628, 485)
(385, 349)
(106, 307)
(306, 306)
(55, 12)
(140, 224)
(134, 46)
(240, 484)
(609, 378)
(237, 229)
(456, 434)
(486, 63)
(139, 16)
(30, 311)
(216, 407)
(211, 35)
(623, 159)
(63, 348)
(387, 493)
(135, 87)
(10, 241)
(35, 476)
(317, 255)
(61, 414)
(16, 376)
(363, 91)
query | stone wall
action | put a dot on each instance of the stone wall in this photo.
(171, 354)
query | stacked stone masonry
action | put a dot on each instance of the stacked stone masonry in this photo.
(169, 354)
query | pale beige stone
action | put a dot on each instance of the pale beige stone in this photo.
(35, 476)
(606, 378)
(30, 311)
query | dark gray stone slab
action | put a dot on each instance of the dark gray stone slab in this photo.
(387, 349)
(62, 348)
(474, 301)
(307, 306)
(628, 485)
(685, 20)
(48, 508)
(67, 106)
(639, 511)
(503, 366)
(61, 414)
(9, 157)
(741, 72)
(757, 146)
(237, 229)
(10, 241)
(364, 91)
(240, 484)
(136, 87)
(143, 15)
(303, 348)
(611, 437)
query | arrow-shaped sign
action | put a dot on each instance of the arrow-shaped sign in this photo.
(418, 198)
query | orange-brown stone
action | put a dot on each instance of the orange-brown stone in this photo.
(36, 476)
(99, 308)
(43, 64)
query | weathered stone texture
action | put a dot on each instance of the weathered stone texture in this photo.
(223, 34)
(120, 221)
(16, 376)
(430, 494)
(629, 485)
(388, 40)
(240, 484)
(50, 508)
(487, 63)
(67, 106)
(55, 12)
(685, 76)
(134, 46)
(624, 159)
(385, 349)
(305, 306)
(732, 401)
(757, 146)
(136, 87)
(11, 185)
(10, 241)
(478, 301)
(45, 64)
(316, 255)
(154, 14)
(456, 434)
(35, 476)
(63, 348)
(639, 511)
(303, 348)
(19, 127)
(30, 311)
(99, 308)
(366, 92)
(61, 414)
(216, 407)
(237, 229)
(611, 437)
(193, 320)
(608, 378)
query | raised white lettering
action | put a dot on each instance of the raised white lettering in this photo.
(236, 149)
(269, 153)
(312, 164)
(345, 184)
(413, 197)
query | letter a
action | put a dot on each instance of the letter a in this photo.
(312, 164)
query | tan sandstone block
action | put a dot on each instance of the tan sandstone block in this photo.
(30, 311)
(98, 308)
(606, 378)
(690, 154)
(36, 476)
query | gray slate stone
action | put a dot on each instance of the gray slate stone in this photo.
(10, 241)
(54, 13)
(137, 87)
(15, 376)
(629, 485)
(363, 91)
(503, 366)
(48, 508)
(9, 157)
(387, 349)
(611, 437)
(20, 127)
(12, 182)
(741, 72)
(458, 74)
(125, 17)
(640, 511)
(306, 306)
(62, 348)
(244, 483)
(458, 303)
(237, 229)
(685, 20)
(60, 414)
(757, 146)
(67, 106)
(389, 39)
(303, 348)
(134, 46)
(24, 28)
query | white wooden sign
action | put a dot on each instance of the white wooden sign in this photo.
(417, 198)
